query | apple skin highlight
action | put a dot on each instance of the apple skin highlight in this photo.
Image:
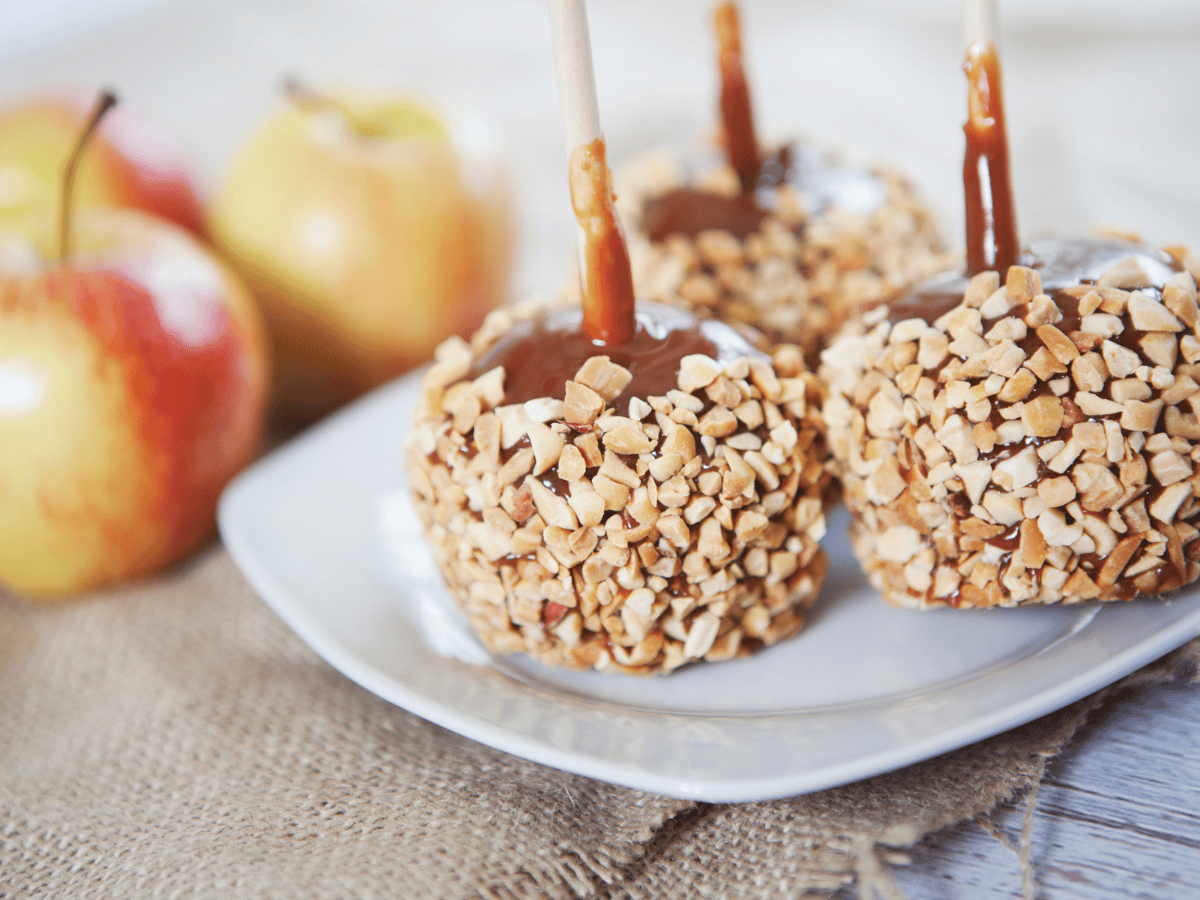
(131, 162)
(133, 383)
(364, 250)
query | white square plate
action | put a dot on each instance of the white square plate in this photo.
(324, 531)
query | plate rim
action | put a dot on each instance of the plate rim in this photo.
(238, 540)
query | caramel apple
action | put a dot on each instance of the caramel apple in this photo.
(620, 487)
(785, 239)
(1024, 432)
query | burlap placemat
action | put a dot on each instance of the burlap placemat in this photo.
(175, 739)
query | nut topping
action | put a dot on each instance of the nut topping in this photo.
(1071, 477)
(684, 530)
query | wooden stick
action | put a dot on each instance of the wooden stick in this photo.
(606, 279)
(981, 22)
(573, 67)
(991, 226)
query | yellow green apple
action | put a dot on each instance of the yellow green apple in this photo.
(131, 162)
(369, 230)
(133, 383)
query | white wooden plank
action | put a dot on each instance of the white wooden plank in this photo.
(1118, 816)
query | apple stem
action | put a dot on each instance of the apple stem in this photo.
(737, 115)
(304, 96)
(106, 101)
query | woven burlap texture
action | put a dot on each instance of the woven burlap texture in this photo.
(176, 739)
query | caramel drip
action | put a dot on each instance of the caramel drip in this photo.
(608, 305)
(930, 300)
(990, 218)
(737, 117)
(1060, 263)
(689, 211)
(539, 360)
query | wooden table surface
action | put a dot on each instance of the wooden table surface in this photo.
(1117, 816)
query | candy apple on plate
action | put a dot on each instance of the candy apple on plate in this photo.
(131, 162)
(133, 381)
(369, 230)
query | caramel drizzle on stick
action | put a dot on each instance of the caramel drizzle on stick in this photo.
(737, 116)
(606, 277)
(990, 218)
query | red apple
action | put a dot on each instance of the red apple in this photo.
(369, 231)
(131, 162)
(133, 381)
